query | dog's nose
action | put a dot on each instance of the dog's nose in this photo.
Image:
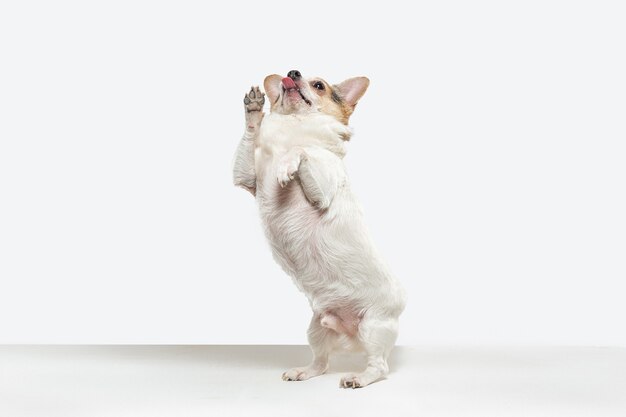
(294, 75)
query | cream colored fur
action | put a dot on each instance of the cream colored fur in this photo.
(292, 162)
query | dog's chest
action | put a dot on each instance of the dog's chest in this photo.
(293, 226)
(289, 220)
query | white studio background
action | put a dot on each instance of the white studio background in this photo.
(489, 155)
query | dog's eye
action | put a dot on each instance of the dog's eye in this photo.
(318, 85)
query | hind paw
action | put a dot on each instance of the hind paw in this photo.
(295, 374)
(350, 381)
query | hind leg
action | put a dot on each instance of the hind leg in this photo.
(377, 336)
(321, 340)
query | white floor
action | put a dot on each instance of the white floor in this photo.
(220, 381)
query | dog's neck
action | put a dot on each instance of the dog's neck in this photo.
(317, 129)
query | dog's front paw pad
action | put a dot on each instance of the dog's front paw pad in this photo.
(350, 381)
(295, 374)
(287, 171)
(254, 100)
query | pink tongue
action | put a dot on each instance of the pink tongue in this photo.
(288, 83)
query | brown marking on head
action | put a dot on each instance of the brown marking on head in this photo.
(315, 94)
(339, 100)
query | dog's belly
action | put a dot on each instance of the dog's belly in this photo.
(299, 237)
(328, 254)
(292, 227)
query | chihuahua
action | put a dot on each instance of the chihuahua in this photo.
(291, 160)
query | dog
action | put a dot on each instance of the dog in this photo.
(291, 161)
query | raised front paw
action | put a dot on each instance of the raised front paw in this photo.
(254, 100)
(253, 103)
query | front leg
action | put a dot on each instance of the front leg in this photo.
(320, 172)
(244, 174)
(289, 165)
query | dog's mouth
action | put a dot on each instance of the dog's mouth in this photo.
(289, 86)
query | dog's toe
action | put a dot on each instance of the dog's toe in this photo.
(350, 381)
(295, 374)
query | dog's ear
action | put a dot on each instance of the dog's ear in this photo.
(272, 87)
(352, 89)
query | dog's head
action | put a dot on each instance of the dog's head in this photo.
(294, 94)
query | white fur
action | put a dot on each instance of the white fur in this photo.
(317, 234)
